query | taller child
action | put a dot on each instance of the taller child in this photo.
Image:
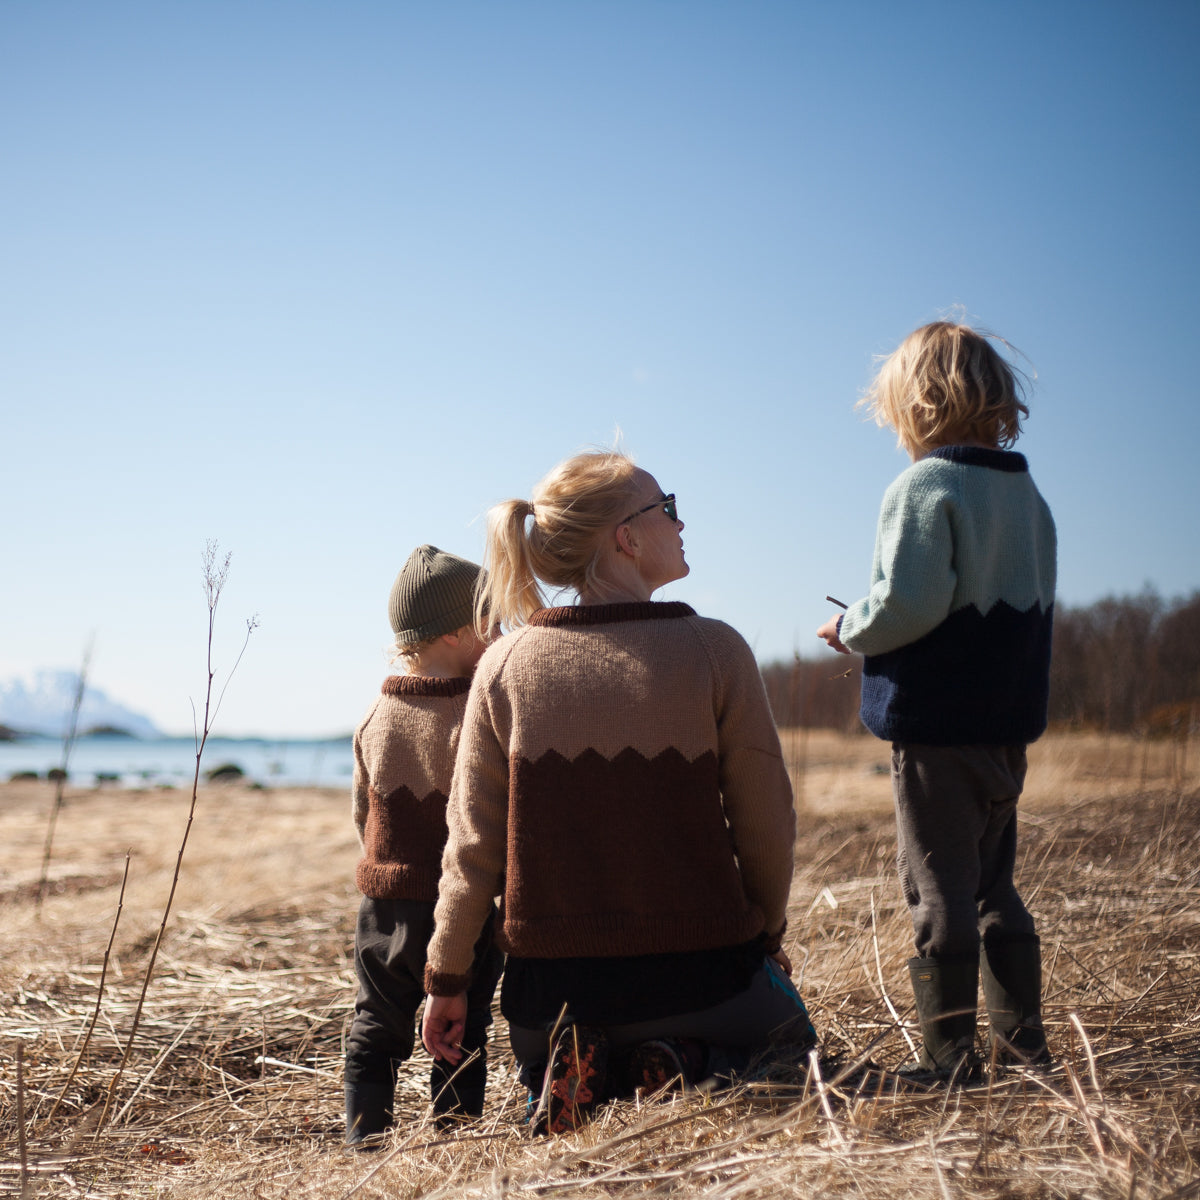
(956, 637)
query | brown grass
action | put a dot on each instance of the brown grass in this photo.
(234, 1088)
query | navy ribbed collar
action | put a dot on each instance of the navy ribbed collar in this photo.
(980, 456)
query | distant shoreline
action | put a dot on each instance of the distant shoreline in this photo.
(116, 760)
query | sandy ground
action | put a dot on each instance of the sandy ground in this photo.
(234, 1086)
(248, 848)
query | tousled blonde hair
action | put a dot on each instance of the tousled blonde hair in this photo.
(947, 383)
(408, 654)
(571, 508)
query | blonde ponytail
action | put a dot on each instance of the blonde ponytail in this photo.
(572, 509)
(511, 590)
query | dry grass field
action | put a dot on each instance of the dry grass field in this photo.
(233, 1086)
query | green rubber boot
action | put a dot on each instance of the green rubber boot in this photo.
(1011, 971)
(945, 991)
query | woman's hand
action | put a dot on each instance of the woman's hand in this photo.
(443, 1024)
(781, 959)
(828, 633)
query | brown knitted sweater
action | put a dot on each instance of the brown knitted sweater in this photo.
(620, 779)
(403, 761)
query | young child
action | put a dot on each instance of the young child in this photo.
(403, 762)
(956, 637)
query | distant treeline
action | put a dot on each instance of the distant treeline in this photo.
(1124, 664)
(1128, 664)
(815, 693)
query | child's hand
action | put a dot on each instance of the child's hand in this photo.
(443, 1024)
(828, 633)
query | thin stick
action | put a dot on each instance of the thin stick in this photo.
(61, 780)
(1087, 1049)
(158, 1062)
(883, 986)
(22, 1148)
(215, 576)
(937, 1166)
(814, 1070)
(832, 600)
(87, 1037)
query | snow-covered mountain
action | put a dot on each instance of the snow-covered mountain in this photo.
(42, 703)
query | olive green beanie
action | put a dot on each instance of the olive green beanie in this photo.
(433, 594)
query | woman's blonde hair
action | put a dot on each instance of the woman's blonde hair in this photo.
(570, 509)
(947, 383)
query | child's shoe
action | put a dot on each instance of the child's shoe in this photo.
(458, 1091)
(368, 1112)
(574, 1083)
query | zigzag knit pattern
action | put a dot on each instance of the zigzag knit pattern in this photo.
(403, 763)
(956, 629)
(403, 840)
(620, 782)
(622, 894)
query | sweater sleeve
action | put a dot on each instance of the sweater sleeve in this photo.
(913, 576)
(474, 858)
(755, 789)
(360, 801)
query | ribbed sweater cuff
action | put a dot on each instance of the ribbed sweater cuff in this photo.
(441, 983)
(774, 941)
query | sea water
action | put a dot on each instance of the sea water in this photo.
(171, 762)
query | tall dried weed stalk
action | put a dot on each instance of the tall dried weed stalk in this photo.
(216, 572)
(61, 777)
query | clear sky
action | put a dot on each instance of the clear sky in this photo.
(325, 280)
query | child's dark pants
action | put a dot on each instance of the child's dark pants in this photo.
(389, 956)
(956, 822)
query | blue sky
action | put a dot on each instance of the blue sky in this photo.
(324, 281)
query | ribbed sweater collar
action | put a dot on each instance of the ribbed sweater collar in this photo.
(425, 685)
(980, 456)
(574, 616)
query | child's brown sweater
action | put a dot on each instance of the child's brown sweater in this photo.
(403, 763)
(620, 779)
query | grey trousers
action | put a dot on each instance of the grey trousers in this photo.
(956, 825)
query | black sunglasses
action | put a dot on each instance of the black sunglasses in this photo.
(668, 506)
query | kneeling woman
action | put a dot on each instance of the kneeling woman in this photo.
(619, 779)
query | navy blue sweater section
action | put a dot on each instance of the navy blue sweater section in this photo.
(973, 679)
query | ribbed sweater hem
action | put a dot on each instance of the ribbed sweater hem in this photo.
(397, 881)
